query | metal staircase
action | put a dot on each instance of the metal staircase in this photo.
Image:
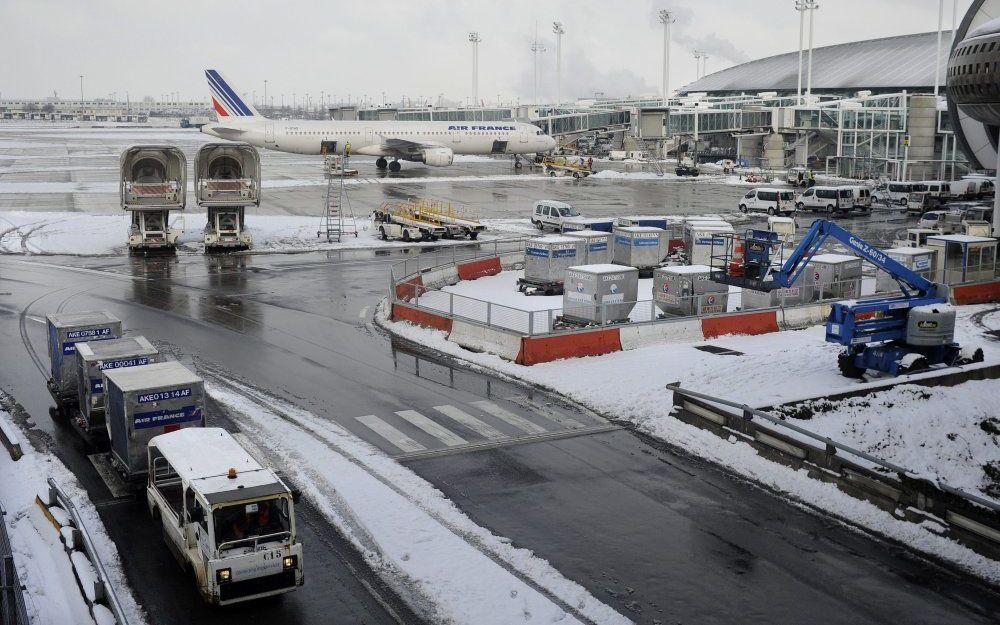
(338, 219)
(649, 150)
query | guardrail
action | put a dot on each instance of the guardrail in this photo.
(429, 261)
(13, 610)
(103, 591)
(973, 519)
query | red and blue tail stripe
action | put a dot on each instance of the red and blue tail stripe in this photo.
(226, 101)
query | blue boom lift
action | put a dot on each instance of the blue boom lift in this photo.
(893, 335)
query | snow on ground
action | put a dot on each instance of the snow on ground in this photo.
(948, 432)
(52, 594)
(80, 234)
(448, 568)
(771, 369)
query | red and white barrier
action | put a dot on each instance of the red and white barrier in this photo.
(679, 331)
(480, 338)
(980, 293)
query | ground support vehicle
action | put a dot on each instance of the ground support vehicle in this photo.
(402, 220)
(561, 166)
(226, 182)
(225, 517)
(768, 200)
(893, 335)
(152, 183)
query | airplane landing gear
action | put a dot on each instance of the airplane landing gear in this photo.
(395, 166)
(517, 162)
(381, 163)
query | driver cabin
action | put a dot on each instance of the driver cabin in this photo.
(226, 181)
(153, 182)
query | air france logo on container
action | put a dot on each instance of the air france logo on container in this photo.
(177, 393)
(80, 336)
(537, 251)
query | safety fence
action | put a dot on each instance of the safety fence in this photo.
(13, 610)
(98, 590)
(971, 519)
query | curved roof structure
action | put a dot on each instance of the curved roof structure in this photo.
(881, 65)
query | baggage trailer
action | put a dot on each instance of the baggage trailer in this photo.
(226, 181)
(153, 182)
(65, 330)
(455, 220)
(144, 402)
(93, 359)
(546, 260)
(409, 224)
(224, 516)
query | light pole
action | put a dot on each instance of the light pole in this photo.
(81, 89)
(265, 92)
(666, 18)
(704, 64)
(537, 48)
(937, 55)
(800, 6)
(812, 5)
(474, 39)
(559, 31)
(697, 64)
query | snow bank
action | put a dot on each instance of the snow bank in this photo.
(772, 369)
(45, 569)
(447, 566)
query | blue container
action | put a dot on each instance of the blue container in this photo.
(65, 331)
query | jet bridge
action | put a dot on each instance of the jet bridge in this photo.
(153, 182)
(226, 181)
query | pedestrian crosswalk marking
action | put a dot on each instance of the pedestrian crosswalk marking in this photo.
(505, 415)
(549, 413)
(483, 429)
(391, 434)
(433, 428)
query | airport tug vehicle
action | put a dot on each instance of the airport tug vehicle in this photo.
(225, 517)
(892, 335)
(153, 182)
(226, 182)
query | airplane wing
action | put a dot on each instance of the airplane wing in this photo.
(226, 132)
(404, 147)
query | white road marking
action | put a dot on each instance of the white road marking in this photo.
(364, 313)
(484, 429)
(505, 415)
(433, 428)
(391, 434)
(554, 415)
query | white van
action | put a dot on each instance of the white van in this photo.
(768, 200)
(973, 187)
(826, 199)
(892, 193)
(225, 517)
(862, 196)
(552, 214)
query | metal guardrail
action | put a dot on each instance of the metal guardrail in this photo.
(874, 477)
(104, 590)
(429, 261)
(13, 610)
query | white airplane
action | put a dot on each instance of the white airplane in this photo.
(431, 143)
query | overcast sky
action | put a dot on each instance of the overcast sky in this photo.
(406, 48)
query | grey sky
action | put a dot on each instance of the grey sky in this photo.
(411, 48)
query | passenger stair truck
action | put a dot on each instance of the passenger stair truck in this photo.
(226, 518)
(153, 182)
(226, 182)
(892, 335)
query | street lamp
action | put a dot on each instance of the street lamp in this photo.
(536, 48)
(474, 39)
(265, 92)
(559, 31)
(666, 18)
(811, 6)
(697, 63)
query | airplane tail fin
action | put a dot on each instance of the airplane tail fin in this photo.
(225, 98)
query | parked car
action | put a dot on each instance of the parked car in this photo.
(768, 200)
(686, 170)
(931, 219)
(826, 199)
(552, 214)
(892, 193)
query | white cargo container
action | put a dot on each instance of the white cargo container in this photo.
(143, 402)
(687, 290)
(798, 294)
(918, 259)
(93, 359)
(65, 330)
(639, 246)
(547, 258)
(703, 240)
(833, 276)
(597, 248)
(600, 294)
(227, 518)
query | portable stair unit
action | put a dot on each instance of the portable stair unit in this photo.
(338, 218)
(153, 182)
(226, 181)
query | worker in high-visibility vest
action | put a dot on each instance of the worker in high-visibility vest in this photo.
(347, 150)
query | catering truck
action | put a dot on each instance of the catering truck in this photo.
(226, 518)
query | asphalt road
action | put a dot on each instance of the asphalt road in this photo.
(660, 536)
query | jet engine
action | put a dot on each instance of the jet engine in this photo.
(437, 157)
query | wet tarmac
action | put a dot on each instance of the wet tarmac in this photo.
(659, 536)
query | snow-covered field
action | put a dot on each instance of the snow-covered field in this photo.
(770, 369)
(52, 594)
(80, 234)
(443, 564)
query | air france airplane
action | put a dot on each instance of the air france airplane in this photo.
(431, 143)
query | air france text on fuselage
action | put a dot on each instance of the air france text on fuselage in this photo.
(482, 128)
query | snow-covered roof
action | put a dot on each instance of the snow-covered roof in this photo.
(127, 346)
(94, 317)
(908, 251)
(552, 239)
(586, 234)
(961, 238)
(640, 229)
(203, 457)
(153, 376)
(601, 268)
(555, 203)
(686, 269)
(832, 258)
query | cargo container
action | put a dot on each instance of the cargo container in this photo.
(645, 221)
(600, 293)
(685, 290)
(917, 259)
(145, 401)
(833, 276)
(65, 330)
(601, 224)
(93, 359)
(703, 240)
(798, 294)
(597, 247)
(546, 260)
(639, 246)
